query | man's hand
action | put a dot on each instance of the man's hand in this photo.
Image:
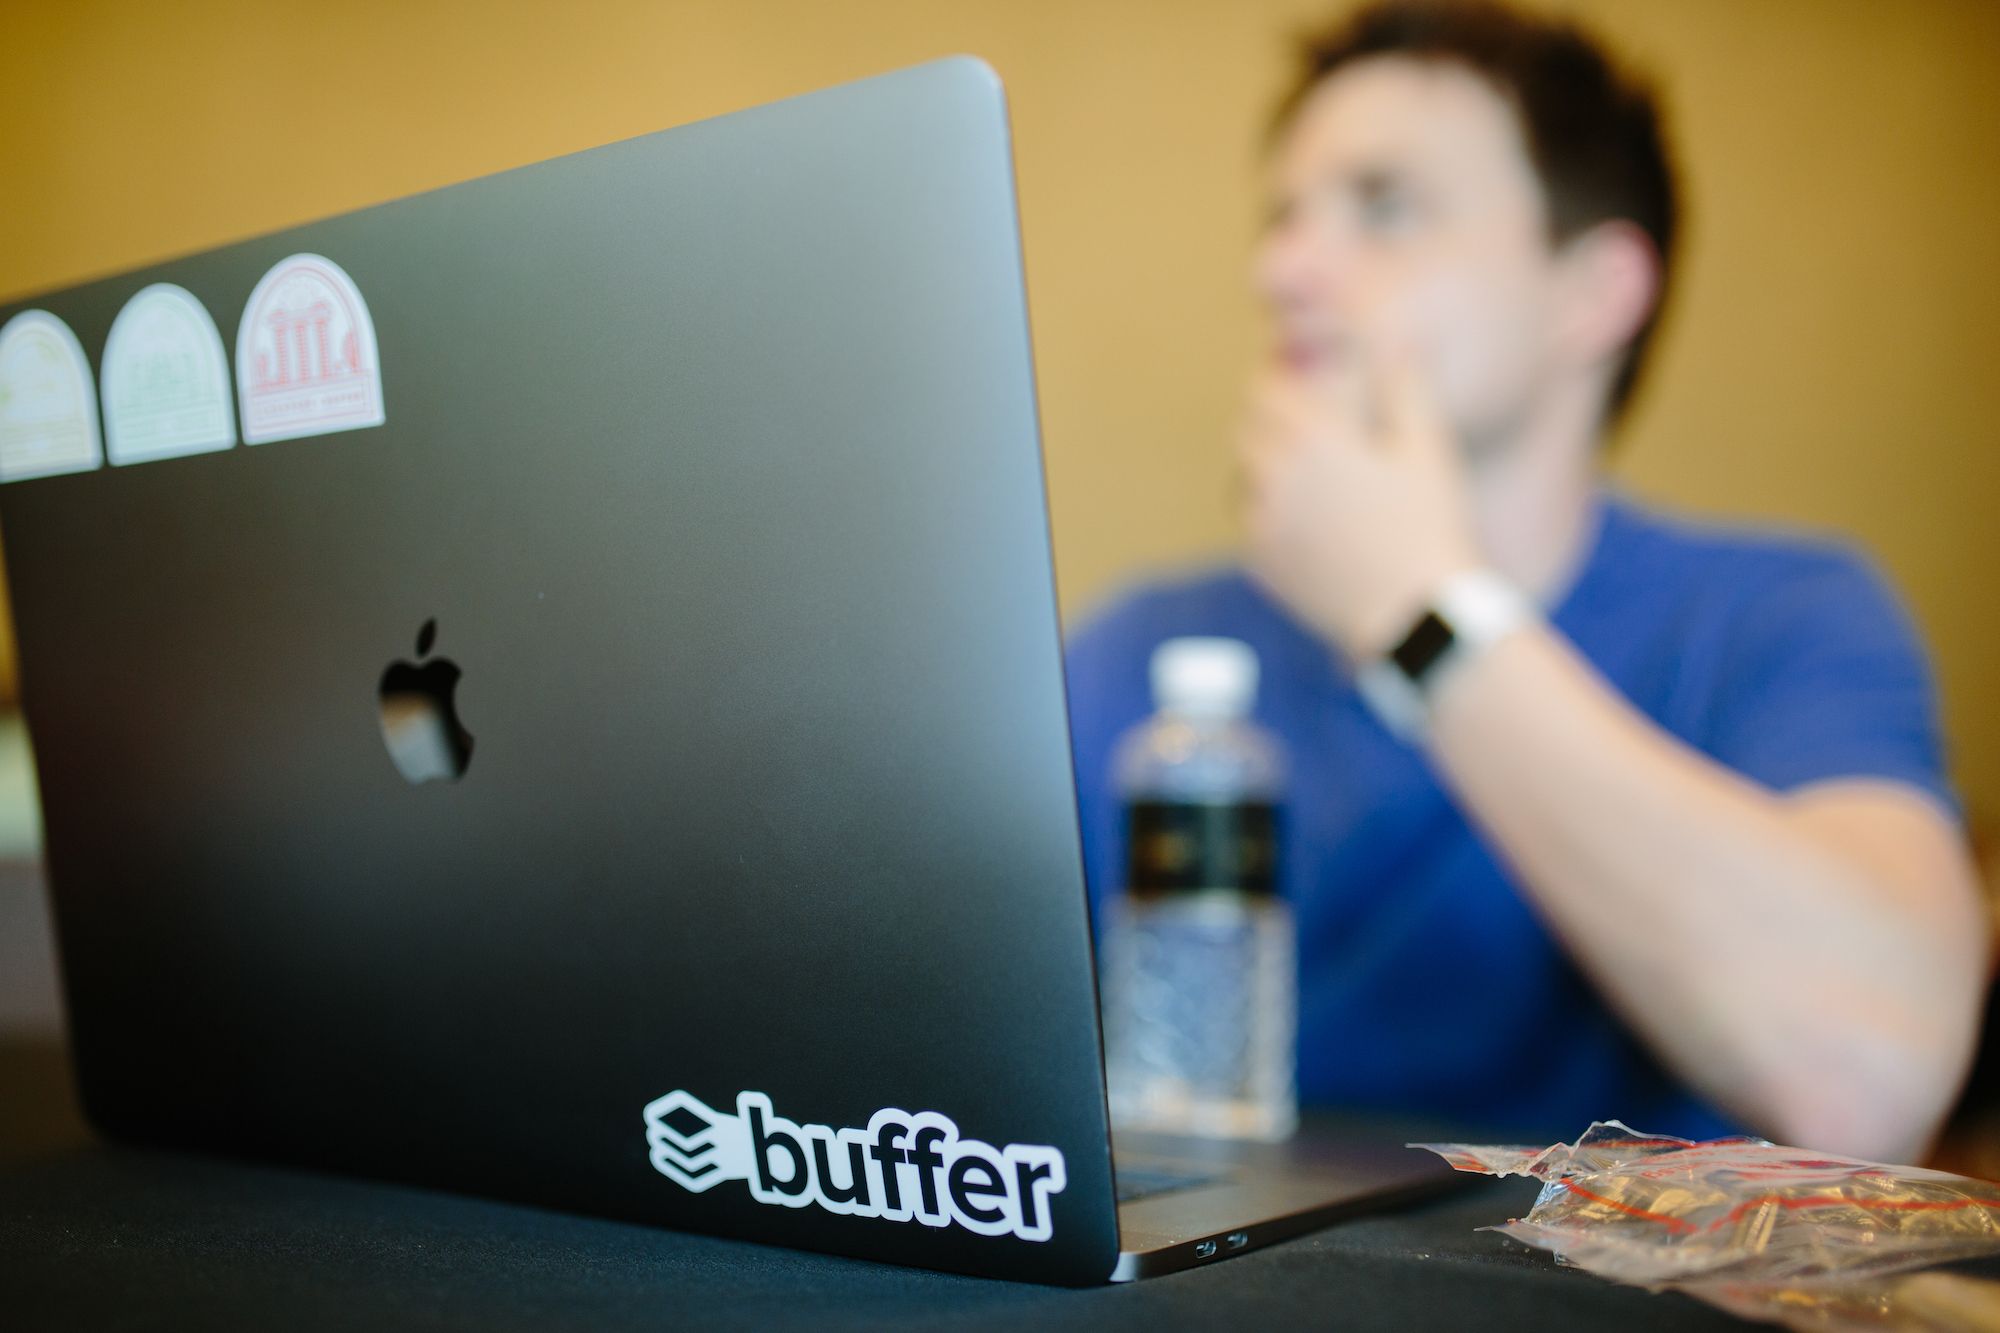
(1810, 962)
(1357, 503)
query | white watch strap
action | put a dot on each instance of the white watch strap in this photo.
(1480, 608)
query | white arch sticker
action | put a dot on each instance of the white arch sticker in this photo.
(166, 379)
(48, 404)
(306, 362)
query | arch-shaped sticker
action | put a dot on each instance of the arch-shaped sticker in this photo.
(48, 403)
(166, 379)
(306, 362)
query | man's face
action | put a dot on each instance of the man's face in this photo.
(1404, 212)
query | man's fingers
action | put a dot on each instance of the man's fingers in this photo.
(1280, 395)
(1410, 411)
(1260, 452)
(1273, 421)
(1342, 391)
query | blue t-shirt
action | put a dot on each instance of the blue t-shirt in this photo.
(1426, 980)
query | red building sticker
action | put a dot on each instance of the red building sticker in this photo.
(305, 354)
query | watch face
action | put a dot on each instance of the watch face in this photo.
(1428, 640)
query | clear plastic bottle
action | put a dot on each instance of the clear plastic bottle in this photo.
(1199, 982)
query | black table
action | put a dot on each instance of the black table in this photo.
(95, 1236)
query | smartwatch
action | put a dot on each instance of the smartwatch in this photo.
(1467, 614)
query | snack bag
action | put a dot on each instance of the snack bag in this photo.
(1806, 1239)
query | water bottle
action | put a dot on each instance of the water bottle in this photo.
(1200, 994)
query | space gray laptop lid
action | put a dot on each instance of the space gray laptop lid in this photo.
(683, 498)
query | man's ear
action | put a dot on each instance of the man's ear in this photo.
(1608, 283)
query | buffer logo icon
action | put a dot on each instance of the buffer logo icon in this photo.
(694, 1145)
(905, 1166)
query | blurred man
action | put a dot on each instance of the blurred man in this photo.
(1594, 812)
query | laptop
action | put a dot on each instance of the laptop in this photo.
(552, 688)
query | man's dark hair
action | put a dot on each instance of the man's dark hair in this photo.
(1592, 128)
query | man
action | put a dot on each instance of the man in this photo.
(1650, 821)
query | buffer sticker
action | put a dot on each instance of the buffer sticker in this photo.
(48, 405)
(166, 379)
(904, 1166)
(305, 354)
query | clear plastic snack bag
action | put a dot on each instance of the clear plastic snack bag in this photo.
(1767, 1232)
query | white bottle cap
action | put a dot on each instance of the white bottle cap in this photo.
(1204, 677)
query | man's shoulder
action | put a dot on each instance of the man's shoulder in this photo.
(1794, 658)
(1657, 535)
(1209, 599)
(1109, 649)
(1702, 567)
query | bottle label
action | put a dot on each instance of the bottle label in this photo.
(1190, 846)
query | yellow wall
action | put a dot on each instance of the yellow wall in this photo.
(1828, 362)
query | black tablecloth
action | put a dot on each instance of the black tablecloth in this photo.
(94, 1236)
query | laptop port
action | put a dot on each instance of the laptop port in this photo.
(1204, 1249)
(1236, 1240)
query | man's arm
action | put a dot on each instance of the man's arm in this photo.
(1811, 962)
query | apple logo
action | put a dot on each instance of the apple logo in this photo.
(419, 720)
